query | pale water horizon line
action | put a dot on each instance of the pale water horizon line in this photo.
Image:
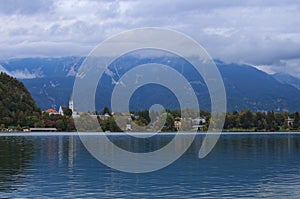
(137, 133)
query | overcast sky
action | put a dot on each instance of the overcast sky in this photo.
(262, 33)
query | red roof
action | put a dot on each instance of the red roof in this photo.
(50, 110)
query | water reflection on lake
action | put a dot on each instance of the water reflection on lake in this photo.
(240, 165)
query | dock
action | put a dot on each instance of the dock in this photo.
(42, 129)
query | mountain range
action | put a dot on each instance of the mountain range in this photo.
(50, 82)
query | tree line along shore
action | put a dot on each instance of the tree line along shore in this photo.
(19, 112)
(242, 121)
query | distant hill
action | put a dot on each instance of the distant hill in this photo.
(50, 92)
(29, 68)
(16, 104)
(250, 88)
(287, 79)
(50, 81)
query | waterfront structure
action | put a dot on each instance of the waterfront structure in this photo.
(42, 129)
(290, 122)
(51, 111)
(197, 123)
(128, 127)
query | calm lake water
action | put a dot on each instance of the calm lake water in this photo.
(240, 165)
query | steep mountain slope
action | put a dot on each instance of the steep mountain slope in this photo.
(246, 87)
(249, 88)
(50, 92)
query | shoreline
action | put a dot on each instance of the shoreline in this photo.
(5, 134)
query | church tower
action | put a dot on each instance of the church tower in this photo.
(71, 104)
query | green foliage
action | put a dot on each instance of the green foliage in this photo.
(16, 104)
(67, 111)
(246, 120)
(109, 125)
(19, 109)
(62, 123)
(169, 125)
(296, 120)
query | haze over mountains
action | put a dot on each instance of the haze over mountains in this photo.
(50, 82)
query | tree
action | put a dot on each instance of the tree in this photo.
(262, 124)
(296, 120)
(60, 125)
(67, 111)
(169, 125)
(247, 119)
(105, 110)
(270, 121)
(110, 125)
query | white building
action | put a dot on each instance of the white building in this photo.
(128, 127)
(71, 104)
(197, 123)
(60, 110)
(75, 114)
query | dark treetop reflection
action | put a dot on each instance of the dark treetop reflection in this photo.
(15, 156)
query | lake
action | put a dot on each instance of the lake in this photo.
(240, 165)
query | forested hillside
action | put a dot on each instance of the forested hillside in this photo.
(16, 104)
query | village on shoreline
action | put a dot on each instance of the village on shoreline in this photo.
(243, 121)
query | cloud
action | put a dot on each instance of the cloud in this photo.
(255, 32)
(24, 7)
(291, 66)
(2, 69)
(21, 74)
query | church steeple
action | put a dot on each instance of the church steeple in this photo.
(71, 104)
